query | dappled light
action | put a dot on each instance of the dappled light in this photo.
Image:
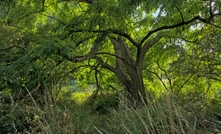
(110, 66)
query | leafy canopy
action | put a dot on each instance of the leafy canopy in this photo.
(45, 39)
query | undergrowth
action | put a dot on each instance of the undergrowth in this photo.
(165, 115)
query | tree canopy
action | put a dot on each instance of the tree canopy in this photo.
(138, 45)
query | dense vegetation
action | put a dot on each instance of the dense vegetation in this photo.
(110, 66)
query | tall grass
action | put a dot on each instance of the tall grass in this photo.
(163, 116)
(66, 117)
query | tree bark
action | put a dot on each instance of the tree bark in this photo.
(129, 73)
(135, 88)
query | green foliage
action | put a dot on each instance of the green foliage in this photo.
(50, 35)
(65, 117)
(47, 44)
(6, 119)
(103, 103)
(167, 114)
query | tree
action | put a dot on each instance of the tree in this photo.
(113, 35)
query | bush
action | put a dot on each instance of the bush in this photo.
(104, 102)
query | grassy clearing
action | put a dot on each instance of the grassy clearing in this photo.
(73, 114)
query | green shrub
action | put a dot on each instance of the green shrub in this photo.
(105, 102)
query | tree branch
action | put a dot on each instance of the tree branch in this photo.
(52, 17)
(92, 52)
(168, 78)
(71, 71)
(180, 14)
(185, 83)
(216, 26)
(121, 75)
(210, 8)
(104, 64)
(158, 78)
(142, 51)
(168, 27)
(207, 21)
(107, 31)
(151, 42)
(100, 53)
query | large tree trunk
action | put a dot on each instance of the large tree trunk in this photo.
(129, 73)
(135, 87)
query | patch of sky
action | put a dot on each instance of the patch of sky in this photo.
(159, 12)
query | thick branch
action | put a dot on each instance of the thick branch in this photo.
(121, 75)
(151, 42)
(106, 53)
(107, 31)
(168, 27)
(104, 64)
(118, 51)
(141, 54)
(207, 21)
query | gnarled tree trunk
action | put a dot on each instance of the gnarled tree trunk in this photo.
(127, 69)
(129, 73)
